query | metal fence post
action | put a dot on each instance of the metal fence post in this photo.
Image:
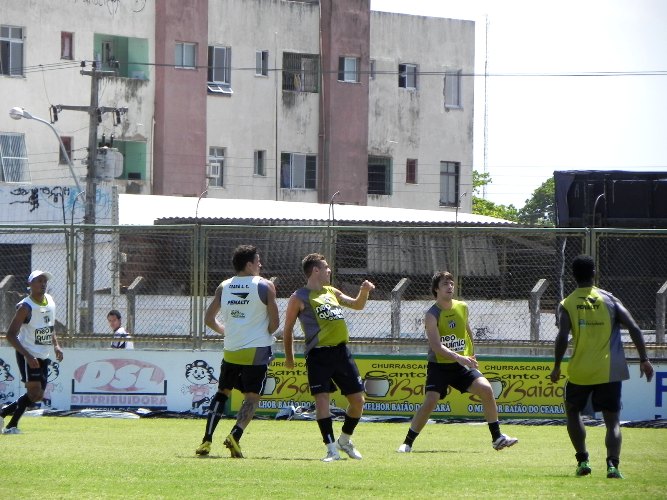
(132, 303)
(199, 284)
(396, 295)
(660, 309)
(535, 296)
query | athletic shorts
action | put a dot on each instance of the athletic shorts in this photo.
(441, 375)
(28, 374)
(330, 368)
(245, 378)
(605, 397)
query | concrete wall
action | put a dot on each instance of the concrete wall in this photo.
(344, 125)
(49, 80)
(415, 124)
(180, 100)
(259, 115)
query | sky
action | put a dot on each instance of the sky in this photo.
(570, 85)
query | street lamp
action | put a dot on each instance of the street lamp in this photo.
(17, 113)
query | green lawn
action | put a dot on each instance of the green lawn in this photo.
(71, 457)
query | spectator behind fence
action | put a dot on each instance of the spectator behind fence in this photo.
(124, 340)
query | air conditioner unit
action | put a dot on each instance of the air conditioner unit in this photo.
(213, 169)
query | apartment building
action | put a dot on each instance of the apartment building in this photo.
(248, 99)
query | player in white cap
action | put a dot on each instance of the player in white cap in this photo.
(32, 334)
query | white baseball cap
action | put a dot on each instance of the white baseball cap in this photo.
(36, 273)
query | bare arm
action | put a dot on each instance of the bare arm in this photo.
(294, 307)
(564, 327)
(472, 344)
(272, 307)
(359, 302)
(212, 311)
(13, 335)
(434, 342)
(624, 316)
(56, 347)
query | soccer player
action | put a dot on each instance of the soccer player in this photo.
(452, 362)
(597, 366)
(32, 334)
(121, 337)
(328, 359)
(250, 316)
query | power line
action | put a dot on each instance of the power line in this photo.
(440, 73)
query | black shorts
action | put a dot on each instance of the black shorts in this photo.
(28, 374)
(605, 397)
(329, 367)
(245, 378)
(441, 375)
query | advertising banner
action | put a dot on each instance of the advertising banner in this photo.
(119, 379)
(394, 385)
(185, 381)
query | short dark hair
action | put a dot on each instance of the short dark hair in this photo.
(583, 268)
(242, 255)
(310, 261)
(437, 277)
(114, 312)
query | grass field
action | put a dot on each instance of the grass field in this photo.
(70, 457)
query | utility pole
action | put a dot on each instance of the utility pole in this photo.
(95, 112)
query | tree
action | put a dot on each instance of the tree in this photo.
(480, 206)
(540, 208)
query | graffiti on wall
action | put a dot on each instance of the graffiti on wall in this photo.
(113, 5)
(51, 205)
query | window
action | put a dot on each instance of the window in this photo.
(379, 175)
(220, 70)
(351, 251)
(66, 45)
(216, 166)
(298, 171)
(185, 55)
(11, 51)
(452, 89)
(301, 72)
(125, 55)
(407, 76)
(348, 69)
(14, 158)
(67, 142)
(260, 167)
(449, 183)
(262, 63)
(135, 159)
(410, 171)
(372, 70)
(109, 61)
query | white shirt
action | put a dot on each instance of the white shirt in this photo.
(36, 334)
(122, 344)
(246, 318)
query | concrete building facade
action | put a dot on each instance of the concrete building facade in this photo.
(247, 99)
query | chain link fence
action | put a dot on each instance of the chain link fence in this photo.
(163, 277)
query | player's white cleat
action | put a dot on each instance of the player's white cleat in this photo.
(504, 442)
(332, 453)
(349, 448)
(404, 448)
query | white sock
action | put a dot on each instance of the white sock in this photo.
(344, 438)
